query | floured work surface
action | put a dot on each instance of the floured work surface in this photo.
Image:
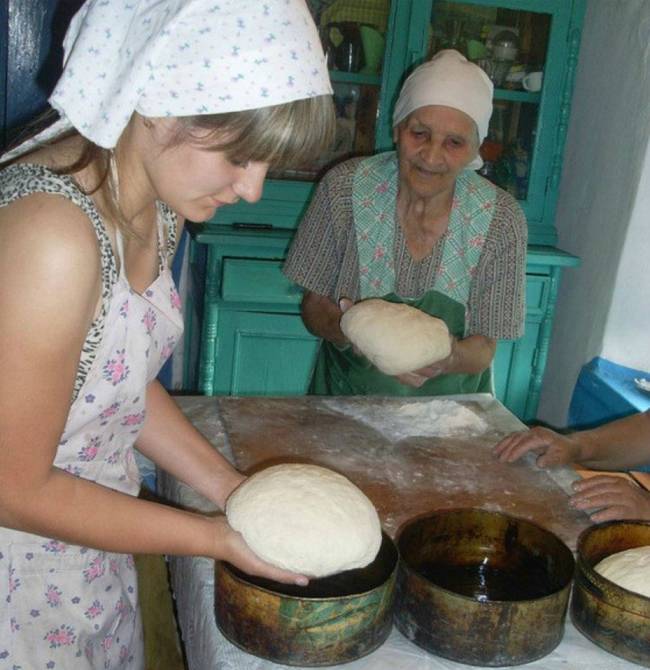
(409, 455)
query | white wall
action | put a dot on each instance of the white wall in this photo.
(627, 333)
(602, 217)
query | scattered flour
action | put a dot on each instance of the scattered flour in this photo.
(433, 418)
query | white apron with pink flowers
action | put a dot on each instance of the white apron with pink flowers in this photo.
(68, 607)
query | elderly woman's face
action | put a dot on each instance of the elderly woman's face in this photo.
(434, 145)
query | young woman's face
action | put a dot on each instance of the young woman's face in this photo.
(434, 144)
(195, 181)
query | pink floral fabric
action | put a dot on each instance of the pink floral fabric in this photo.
(374, 199)
(67, 607)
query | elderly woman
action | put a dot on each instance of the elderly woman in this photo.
(167, 114)
(417, 226)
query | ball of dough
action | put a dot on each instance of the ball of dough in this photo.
(629, 569)
(306, 518)
(395, 337)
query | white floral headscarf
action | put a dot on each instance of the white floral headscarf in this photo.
(180, 58)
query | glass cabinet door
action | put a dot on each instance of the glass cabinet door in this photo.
(353, 35)
(523, 45)
(512, 45)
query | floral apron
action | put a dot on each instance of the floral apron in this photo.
(70, 607)
(374, 197)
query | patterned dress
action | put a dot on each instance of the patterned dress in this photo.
(61, 605)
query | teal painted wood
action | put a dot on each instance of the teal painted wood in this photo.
(543, 267)
(208, 351)
(405, 43)
(541, 257)
(259, 353)
(224, 242)
(355, 78)
(282, 204)
(512, 369)
(543, 343)
(573, 47)
(263, 354)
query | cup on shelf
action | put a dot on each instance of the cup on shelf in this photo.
(533, 81)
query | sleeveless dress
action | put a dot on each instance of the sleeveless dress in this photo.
(374, 197)
(65, 606)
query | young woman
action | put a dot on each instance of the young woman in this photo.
(168, 111)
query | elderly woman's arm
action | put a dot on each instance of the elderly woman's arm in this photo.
(322, 317)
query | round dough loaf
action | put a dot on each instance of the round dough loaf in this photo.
(395, 337)
(629, 569)
(306, 518)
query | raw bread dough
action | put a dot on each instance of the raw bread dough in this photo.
(629, 569)
(395, 337)
(305, 518)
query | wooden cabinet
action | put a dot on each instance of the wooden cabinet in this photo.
(246, 313)
(253, 341)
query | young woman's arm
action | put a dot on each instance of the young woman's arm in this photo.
(172, 442)
(50, 285)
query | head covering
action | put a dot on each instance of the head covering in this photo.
(449, 79)
(180, 58)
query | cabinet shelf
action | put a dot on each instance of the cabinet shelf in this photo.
(340, 77)
(516, 96)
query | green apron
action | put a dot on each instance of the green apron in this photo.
(374, 194)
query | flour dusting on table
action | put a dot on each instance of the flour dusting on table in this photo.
(432, 418)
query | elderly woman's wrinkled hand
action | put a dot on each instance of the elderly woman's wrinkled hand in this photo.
(443, 367)
(411, 379)
(419, 377)
(612, 498)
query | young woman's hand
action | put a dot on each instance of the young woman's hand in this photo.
(231, 547)
(553, 449)
(229, 485)
(611, 498)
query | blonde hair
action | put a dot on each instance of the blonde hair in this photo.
(287, 135)
(283, 135)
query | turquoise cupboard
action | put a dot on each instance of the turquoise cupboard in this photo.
(243, 315)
